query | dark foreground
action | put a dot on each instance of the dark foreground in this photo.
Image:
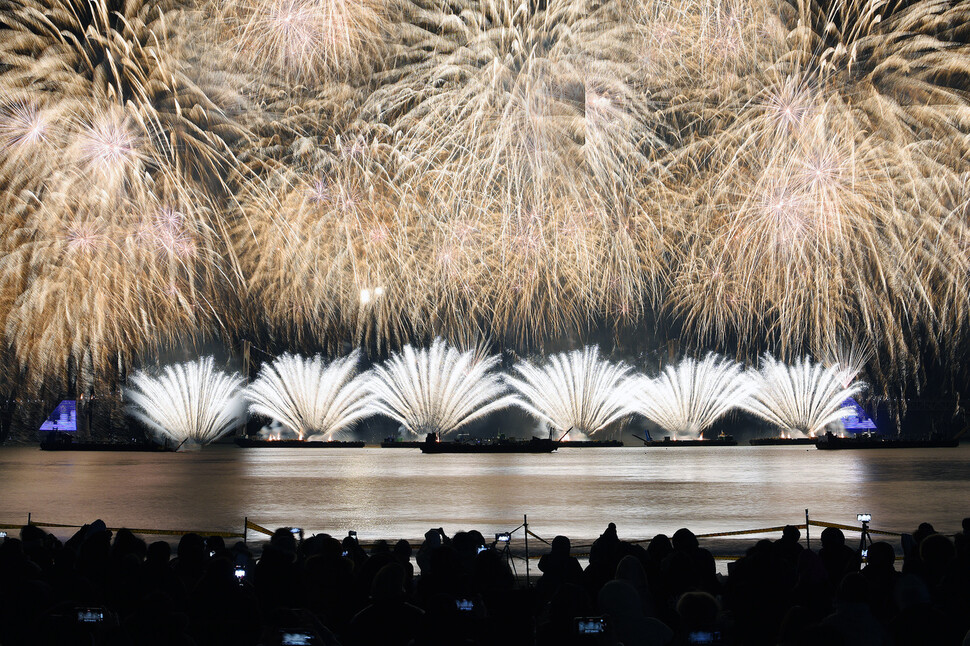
(102, 589)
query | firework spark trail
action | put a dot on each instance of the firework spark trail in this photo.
(824, 201)
(759, 176)
(576, 391)
(437, 389)
(804, 396)
(187, 402)
(302, 41)
(312, 398)
(329, 253)
(688, 397)
(526, 137)
(117, 141)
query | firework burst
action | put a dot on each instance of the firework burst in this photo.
(828, 194)
(117, 135)
(187, 402)
(744, 174)
(804, 396)
(578, 391)
(690, 396)
(437, 389)
(310, 397)
(302, 41)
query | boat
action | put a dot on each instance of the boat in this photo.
(588, 444)
(582, 444)
(432, 444)
(398, 443)
(782, 441)
(250, 443)
(832, 442)
(723, 439)
(57, 441)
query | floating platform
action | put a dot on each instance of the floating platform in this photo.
(500, 445)
(64, 442)
(834, 443)
(248, 443)
(667, 442)
(395, 443)
(588, 444)
(782, 441)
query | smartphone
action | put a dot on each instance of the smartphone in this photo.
(3, 534)
(466, 605)
(590, 625)
(503, 537)
(296, 531)
(296, 639)
(90, 615)
(352, 534)
(240, 573)
(703, 637)
(482, 548)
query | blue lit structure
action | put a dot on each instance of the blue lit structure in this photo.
(63, 419)
(857, 421)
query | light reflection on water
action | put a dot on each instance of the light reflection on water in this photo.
(401, 493)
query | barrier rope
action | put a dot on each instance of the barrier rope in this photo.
(158, 532)
(819, 523)
(537, 537)
(739, 532)
(258, 528)
(250, 525)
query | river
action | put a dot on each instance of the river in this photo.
(393, 493)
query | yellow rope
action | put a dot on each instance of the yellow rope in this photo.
(259, 528)
(739, 532)
(850, 528)
(160, 532)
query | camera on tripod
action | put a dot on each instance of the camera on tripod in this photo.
(865, 539)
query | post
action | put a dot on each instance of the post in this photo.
(245, 529)
(525, 524)
(808, 541)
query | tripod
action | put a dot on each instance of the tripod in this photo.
(506, 552)
(506, 539)
(865, 542)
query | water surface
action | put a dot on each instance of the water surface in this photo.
(393, 493)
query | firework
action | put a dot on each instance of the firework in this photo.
(437, 389)
(690, 396)
(744, 174)
(309, 396)
(828, 194)
(110, 236)
(578, 391)
(187, 402)
(302, 41)
(804, 396)
(524, 133)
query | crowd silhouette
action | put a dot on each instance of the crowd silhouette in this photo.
(116, 589)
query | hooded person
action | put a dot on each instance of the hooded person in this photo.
(389, 619)
(627, 625)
